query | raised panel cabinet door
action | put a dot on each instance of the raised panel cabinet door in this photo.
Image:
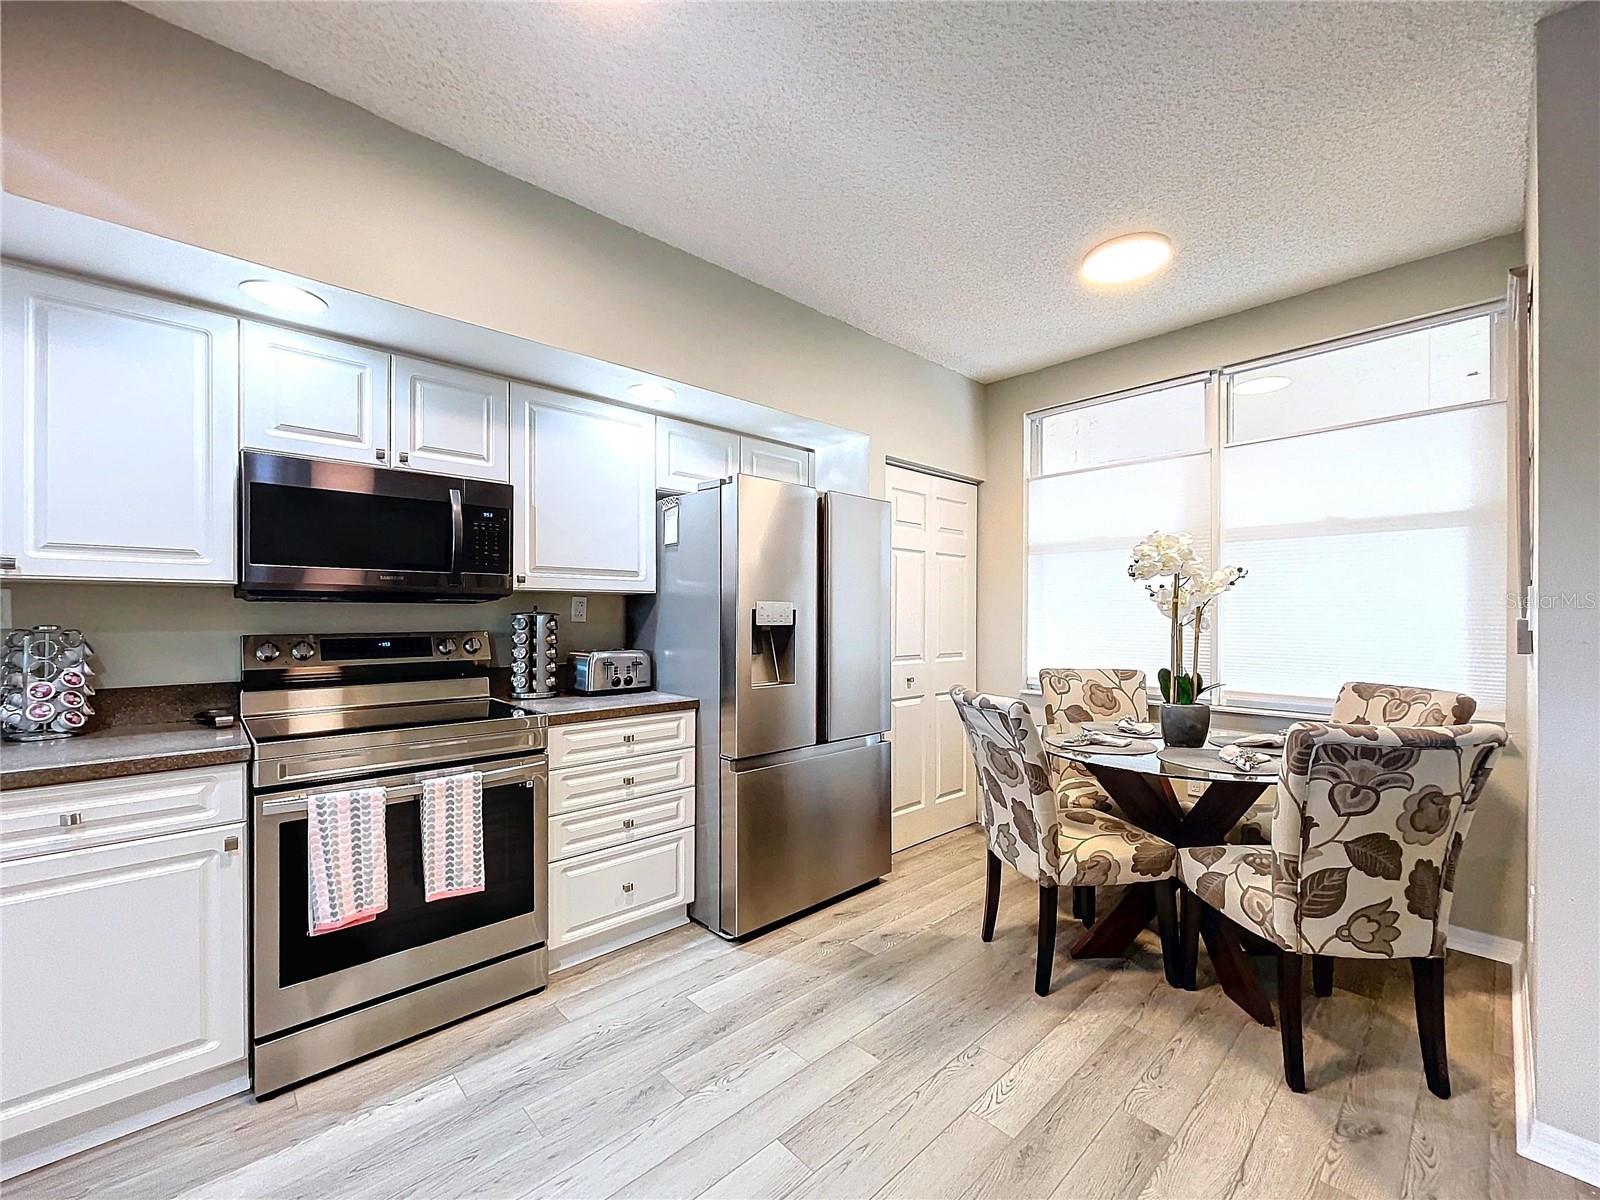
(122, 969)
(688, 455)
(584, 474)
(451, 421)
(772, 460)
(314, 396)
(119, 434)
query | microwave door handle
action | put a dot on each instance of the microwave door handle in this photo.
(457, 533)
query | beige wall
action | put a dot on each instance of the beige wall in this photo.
(113, 113)
(1493, 901)
(1564, 827)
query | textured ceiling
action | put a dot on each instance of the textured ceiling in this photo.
(932, 173)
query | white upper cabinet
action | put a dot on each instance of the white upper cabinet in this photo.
(770, 460)
(118, 434)
(688, 455)
(314, 396)
(584, 474)
(450, 421)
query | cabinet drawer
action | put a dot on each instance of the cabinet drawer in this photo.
(624, 737)
(585, 787)
(595, 893)
(68, 816)
(619, 824)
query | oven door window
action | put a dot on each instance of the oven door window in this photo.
(317, 527)
(409, 921)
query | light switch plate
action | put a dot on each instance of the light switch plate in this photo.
(580, 608)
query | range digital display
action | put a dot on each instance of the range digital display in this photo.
(368, 649)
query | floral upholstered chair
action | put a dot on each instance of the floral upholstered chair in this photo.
(1395, 704)
(1365, 840)
(1073, 695)
(1374, 704)
(1054, 846)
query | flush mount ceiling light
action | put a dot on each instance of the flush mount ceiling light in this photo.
(282, 296)
(1125, 259)
(651, 392)
(1261, 385)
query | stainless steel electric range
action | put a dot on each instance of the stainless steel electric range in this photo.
(348, 710)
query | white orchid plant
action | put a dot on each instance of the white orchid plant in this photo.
(1184, 592)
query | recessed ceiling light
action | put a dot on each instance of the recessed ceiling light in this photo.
(651, 392)
(284, 296)
(1124, 259)
(1261, 385)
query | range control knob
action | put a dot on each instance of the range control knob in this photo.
(267, 652)
(472, 645)
(446, 646)
(302, 651)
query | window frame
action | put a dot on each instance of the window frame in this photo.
(1218, 422)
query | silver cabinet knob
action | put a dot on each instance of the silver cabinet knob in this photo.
(522, 579)
(230, 844)
(68, 820)
(405, 456)
(383, 455)
(8, 562)
(627, 887)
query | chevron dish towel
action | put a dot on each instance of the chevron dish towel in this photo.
(347, 868)
(452, 835)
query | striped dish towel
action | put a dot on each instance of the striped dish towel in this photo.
(347, 875)
(452, 835)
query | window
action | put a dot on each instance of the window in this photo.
(1363, 485)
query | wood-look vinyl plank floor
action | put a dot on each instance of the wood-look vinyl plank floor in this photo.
(875, 1048)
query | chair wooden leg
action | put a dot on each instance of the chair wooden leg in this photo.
(991, 897)
(1294, 1055)
(1083, 905)
(1427, 977)
(1047, 939)
(1322, 974)
(1190, 938)
(1167, 925)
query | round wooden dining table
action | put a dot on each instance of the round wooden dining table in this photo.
(1141, 785)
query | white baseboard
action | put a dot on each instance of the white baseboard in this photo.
(1484, 945)
(1536, 1141)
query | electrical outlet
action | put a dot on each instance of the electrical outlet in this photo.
(580, 608)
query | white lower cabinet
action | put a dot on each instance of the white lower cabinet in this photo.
(122, 979)
(621, 832)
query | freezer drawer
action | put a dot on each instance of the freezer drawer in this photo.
(800, 829)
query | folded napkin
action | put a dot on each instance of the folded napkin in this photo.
(1096, 737)
(1138, 729)
(1248, 761)
(1264, 741)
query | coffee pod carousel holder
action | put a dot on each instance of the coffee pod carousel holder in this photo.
(46, 688)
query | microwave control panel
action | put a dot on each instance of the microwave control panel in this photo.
(486, 541)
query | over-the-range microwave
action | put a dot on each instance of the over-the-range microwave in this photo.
(313, 530)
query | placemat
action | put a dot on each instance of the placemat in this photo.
(1210, 760)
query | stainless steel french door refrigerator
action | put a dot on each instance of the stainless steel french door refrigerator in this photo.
(772, 609)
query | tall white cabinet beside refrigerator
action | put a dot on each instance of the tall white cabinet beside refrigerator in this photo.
(772, 609)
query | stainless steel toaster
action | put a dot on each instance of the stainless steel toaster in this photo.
(610, 671)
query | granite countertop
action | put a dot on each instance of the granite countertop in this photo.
(120, 750)
(566, 710)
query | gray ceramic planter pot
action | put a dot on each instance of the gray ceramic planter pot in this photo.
(1185, 724)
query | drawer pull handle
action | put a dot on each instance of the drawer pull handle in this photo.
(627, 887)
(627, 739)
(627, 781)
(627, 822)
(68, 820)
(230, 845)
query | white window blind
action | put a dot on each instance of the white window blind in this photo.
(1083, 610)
(1363, 487)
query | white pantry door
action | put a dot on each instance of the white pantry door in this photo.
(935, 637)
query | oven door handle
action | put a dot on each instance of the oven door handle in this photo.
(525, 773)
(458, 534)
